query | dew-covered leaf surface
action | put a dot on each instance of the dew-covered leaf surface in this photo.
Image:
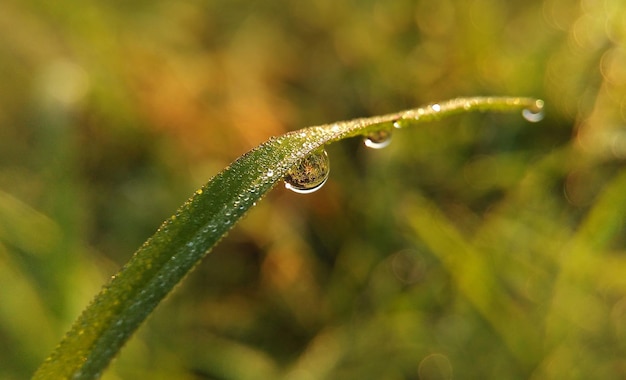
(198, 225)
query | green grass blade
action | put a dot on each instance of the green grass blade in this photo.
(471, 271)
(179, 244)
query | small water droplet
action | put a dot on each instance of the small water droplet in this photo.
(310, 174)
(199, 191)
(269, 173)
(535, 112)
(396, 124)
(378, 139)
(436, 107)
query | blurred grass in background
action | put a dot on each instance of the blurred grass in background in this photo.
(476, 247)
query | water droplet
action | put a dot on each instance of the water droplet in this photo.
(535, 112)
(269, 173)
(396, 124)
(199, 191)
(310, 174)
(378, 139)
(436, 107)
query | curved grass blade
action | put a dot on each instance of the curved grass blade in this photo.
(198, 225)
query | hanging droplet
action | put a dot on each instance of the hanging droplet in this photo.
(378, 139)
(535, 112)
(310, 174)
(396, 124)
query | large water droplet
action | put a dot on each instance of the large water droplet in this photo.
(378, 139)
(310, 174)
(535, 112)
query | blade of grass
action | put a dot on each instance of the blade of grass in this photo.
(473, 276)
(182, 240)
(586, 261)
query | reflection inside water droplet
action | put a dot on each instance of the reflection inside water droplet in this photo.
(535, 112)
(378, 139)
(310, 174)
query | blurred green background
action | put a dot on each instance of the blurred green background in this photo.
(481, 246)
